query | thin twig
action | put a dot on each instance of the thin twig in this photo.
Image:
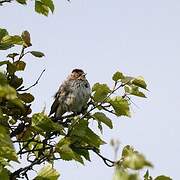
(26, 176)
(34, 150)
(110, 111)
(26, 145)
(37, 81)
(22, 53)
(5, 1)
(129, 99)
(22, 141)
(24, 170)
(108, 162)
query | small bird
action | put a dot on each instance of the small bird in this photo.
(72, 96)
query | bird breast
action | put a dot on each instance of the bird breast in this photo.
(78, 97)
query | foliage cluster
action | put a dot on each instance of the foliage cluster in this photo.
(39, 139)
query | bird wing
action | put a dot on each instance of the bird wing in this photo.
(60, 96)
(54, 106)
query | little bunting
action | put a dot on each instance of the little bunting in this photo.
(73, 94)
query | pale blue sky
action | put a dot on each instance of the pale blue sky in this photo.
(138, 37)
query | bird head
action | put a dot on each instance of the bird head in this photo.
(78, 74)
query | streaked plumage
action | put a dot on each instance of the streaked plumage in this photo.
(73, 94)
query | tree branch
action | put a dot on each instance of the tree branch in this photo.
(37, 81)
(21, 54)
(5, 1)
(24, 170)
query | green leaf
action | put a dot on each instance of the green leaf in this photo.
(35, 146)
(4, 119)
(133, 159)
(99, 116)
(127, 80)
(117, 76)
(162, 178)
(12, 55)
(82, 152)
(120, 106)
(3, 63)
(17, 107)
(16, 82)
(100, 92)
(85, 134)
(43, 124)
(22, 1)
(26, 38)
(63, 147)
(139, 81)
(147, 176)
(6, 149)
(37, 54)
(12, 40)
(3, 79)
(20, 65)
(3, 32)
(17, 103)
(41, 8)
(47, 173)
(134, 90)
(49, 3)
(121, 174)
(4, 173)
(11, 68)
(7, 92)
(4, 162)
(7, 41)
(26, 97)
(5, 46)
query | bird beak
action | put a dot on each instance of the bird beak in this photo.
(84, 74)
